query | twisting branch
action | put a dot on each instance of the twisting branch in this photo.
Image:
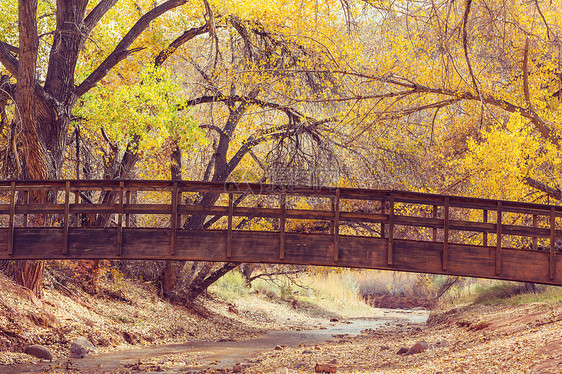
(212, 31)
(181, 40)
(7, 59)
(122, 50)
(97, 13)
(290, 112)
(487, 99)
(526, 75)
(548, 31)
(465, 46)
(550, 191)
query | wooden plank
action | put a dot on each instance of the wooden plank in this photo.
(336, 243)
(552, 260)
(445, 253)
(390, 239)
(174, 219)
(301, 248)
(11, 219)
(229, 231)
(282, 198)
(347, 193)
(535, 224)
(276, 213)
(472, 226)
(499, 238)
(66, 217)
(120, 219)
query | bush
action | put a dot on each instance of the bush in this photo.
(230, 285)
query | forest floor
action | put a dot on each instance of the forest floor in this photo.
(127, 314)
(469, 339)
(126, 319)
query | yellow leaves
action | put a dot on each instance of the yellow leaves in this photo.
(506, 154)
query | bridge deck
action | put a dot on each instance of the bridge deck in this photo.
(394, 230)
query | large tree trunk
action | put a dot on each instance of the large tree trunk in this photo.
(30, 275)
(32, 159)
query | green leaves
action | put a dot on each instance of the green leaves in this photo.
(149, 106)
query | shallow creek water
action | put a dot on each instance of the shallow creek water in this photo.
(219, 355)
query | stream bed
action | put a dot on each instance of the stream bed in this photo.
(212, 354)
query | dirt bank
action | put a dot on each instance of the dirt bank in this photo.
(125, 314)
(471, 339)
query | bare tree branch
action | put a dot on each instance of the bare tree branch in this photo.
(182, 39)
(548, 31)
(7, 59)
(465, 46)
(550, 191)
(97, 14)
(526, 75)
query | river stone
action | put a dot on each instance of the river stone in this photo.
(402, 350)
(237, 368)
(418, 347)
(442, 343)
(81, 347)
(39, 351)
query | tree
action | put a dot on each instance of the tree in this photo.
(59, 57)
(45, 94)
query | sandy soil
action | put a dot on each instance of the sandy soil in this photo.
(126, 314)
(472, 339)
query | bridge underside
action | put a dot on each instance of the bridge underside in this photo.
(266, 247)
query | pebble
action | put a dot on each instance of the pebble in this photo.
(39, 351)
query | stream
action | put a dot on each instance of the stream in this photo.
(213, 354)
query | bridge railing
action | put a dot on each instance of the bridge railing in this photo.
(391, 215)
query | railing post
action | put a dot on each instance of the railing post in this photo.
(389, 255)
(229, 231)
(336, 237)
(26, 203)
(499, 239)
(76, 202)
(383, 209)
(180, 194)
(434, 215)
(65, 218)
(11, 219)
(120, 220)
(282, 224)
(535, 224)
(485, 233)
(174, 218)
(128, 215)
(445, 254)
(552, 259)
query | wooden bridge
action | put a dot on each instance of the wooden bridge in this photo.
(393, 230)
